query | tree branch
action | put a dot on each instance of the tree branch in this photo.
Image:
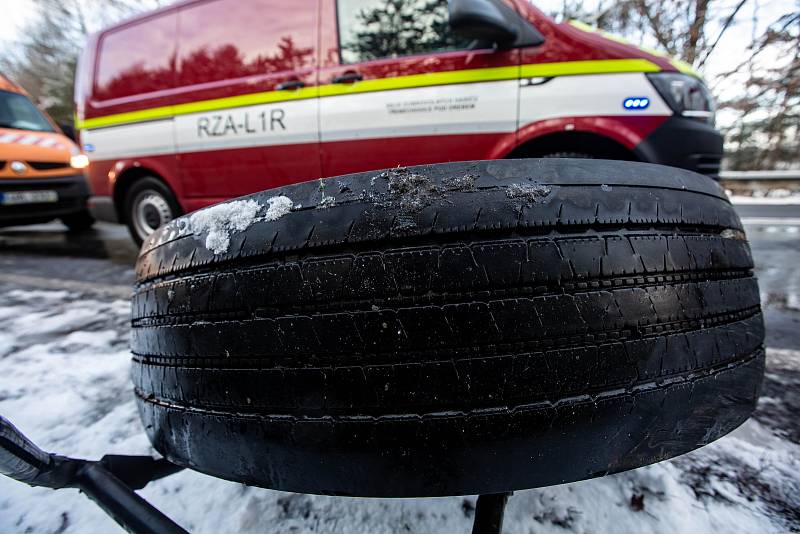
(655, 25)
(722, 31)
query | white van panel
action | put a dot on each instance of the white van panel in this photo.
(488, 107)
(591, 95)
(144, 138)
(281, 123)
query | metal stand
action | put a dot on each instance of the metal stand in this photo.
(489, 512)
(109, 482)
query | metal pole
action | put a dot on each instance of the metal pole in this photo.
(489, 511)
(127, 508)
(108, 482)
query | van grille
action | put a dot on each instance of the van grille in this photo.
(47, 165)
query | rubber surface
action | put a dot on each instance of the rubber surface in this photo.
(463, 328)
(79, 221)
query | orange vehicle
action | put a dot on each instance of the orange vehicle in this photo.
(41, 170)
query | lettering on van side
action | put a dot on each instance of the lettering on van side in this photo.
(433, 105)
(222, 125)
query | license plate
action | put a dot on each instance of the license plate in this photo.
(27, 197)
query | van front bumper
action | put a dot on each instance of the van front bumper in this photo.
(685, 143)
(72, 193)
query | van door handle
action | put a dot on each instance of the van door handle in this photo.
(290, 84)
(349, 76)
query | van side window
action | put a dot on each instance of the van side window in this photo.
(137, 59)
(228, 39)
(376, 29)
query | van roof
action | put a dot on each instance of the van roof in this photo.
(145, 15)
(8, 85)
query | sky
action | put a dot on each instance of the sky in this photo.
(15, 14)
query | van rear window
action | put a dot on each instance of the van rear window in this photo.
(227, 39)
(376, 29)
(136, 59)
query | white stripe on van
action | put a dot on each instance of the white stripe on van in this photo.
(153, 138)
(488, 107)
(587, 96)
(29, 139)
(47, 142)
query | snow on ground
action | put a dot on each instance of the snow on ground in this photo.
(64, 381)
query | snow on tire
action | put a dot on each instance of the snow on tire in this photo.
(449, 329)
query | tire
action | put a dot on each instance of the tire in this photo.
(579, 155)
(452, 329)
(149, 204)
(80, 221)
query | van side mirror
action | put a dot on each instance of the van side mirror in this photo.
(492, 21)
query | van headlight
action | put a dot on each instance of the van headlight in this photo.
(686, 95)
(79, 161)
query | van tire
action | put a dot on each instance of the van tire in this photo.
(578, 155)
(453, 329)
(78, 222)
(162, 207)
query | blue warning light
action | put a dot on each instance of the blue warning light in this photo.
(636, 102)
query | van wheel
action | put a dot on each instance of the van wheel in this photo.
(149, 204)
(79, 221)
(454, 329)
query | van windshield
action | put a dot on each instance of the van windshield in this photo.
(17, 112)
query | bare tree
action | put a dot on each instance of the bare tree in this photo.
(765, 131)
(44, 60)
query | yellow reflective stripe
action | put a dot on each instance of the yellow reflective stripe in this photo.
(685, 68)
(601, 66)
(565, 68)
(167, 112)
(423, 80)
(164, 112)
(679, 64)
(251, 99)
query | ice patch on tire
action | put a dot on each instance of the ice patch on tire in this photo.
(223, 219)
(528, 192)
(278, 207)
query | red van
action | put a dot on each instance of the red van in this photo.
(206, 100)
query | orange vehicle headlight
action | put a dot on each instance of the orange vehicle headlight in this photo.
(79, 161)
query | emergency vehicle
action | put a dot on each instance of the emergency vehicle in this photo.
(41, 169)
(205, 100)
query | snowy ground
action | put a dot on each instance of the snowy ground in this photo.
(64, 381)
